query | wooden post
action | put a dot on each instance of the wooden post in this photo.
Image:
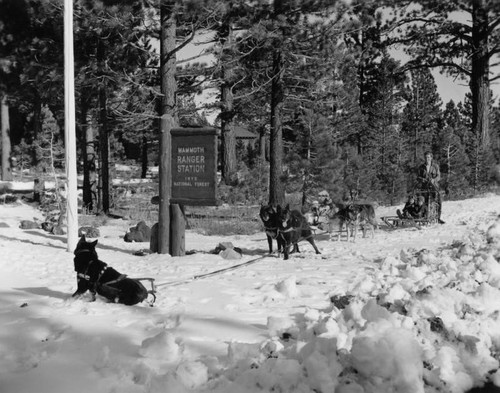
(165, 189)
(177, 231)
(6, 169)
(69, 129)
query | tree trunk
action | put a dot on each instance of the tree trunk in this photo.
(37, 125)
(306, 178)
(227, 134)
(416, 129)
(448, 166)
(144, 157)
(6, 169)
(475, 174)
(168, 121)
(104, 150)
(479, 81)
(88, 153)
(262, 144)
(276, 189)
(362, 95)
(228, 137)
(103, 132)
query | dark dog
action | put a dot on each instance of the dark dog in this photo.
(269, 216)
(96, 276)
(293, 227)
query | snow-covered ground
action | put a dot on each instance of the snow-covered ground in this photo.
(412, 310)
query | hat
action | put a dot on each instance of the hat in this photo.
(324, 193)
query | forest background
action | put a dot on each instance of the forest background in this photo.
(316, 81)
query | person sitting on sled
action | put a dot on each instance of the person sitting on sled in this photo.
(420, 210)
(408, 209)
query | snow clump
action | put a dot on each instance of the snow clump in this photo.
(424, 322)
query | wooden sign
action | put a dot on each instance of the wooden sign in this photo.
(194, 166)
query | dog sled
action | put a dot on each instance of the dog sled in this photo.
(432, 212)
(111, 289)
(97, 277)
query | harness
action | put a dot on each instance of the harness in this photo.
(85, 276)
(107, 285)
(120, 278)
(294, 229)
(291, 229)
(271, 231)
(97, 282)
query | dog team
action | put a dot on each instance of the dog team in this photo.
(288, 227)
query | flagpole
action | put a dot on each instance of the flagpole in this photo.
(69, 128)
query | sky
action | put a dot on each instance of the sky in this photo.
(411, 310)
(449, 88)
(453, 89)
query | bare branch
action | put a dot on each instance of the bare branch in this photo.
(493, 25)
(413, 65)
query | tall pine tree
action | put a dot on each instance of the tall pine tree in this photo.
(451, 143)
(420, 120)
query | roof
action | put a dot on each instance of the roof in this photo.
(243, 133)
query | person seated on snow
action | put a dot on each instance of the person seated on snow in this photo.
(408, 209)
(420, 210)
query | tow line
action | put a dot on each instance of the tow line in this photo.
(198, 276)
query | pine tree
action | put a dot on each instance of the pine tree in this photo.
(321, 109)
(463, 46)
(420, 120)
(481, 157)
(363, 35)
(384, 147)
(359, 176)
(110, 52)
(495, 146)
(30, 61)
(49, 146)
(281, 41)
(451, 142)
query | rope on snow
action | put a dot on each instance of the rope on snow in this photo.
(226, 269)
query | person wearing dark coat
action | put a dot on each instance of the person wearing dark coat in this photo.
(420, 210)
(428, 176)
(408, 209)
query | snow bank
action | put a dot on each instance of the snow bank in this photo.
(422, 322)
(368, 317)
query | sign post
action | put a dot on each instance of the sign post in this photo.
(194, 166)
(192, 182)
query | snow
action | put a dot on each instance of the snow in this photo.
(411, 310)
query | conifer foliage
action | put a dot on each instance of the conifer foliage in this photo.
(318, 82)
